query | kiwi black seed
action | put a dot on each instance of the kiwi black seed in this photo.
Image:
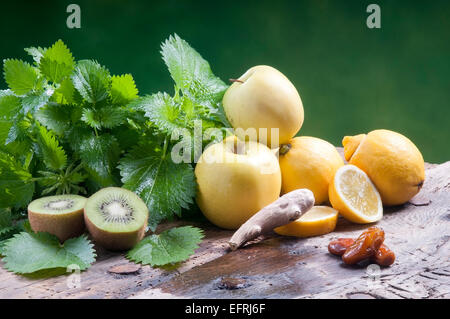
(60, 215)
(116, 218)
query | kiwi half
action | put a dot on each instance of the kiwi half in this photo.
(116, 218)
(60, 215)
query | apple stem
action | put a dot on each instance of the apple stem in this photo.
(236, 80)
(285, 148)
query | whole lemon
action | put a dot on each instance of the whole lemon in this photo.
(393, 163)
(309, 162)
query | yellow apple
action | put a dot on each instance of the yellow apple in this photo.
(235, 180)
(263, 98)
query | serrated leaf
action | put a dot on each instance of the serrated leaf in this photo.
(191, 73)
(32, 102)
(162, 111)
(88, 117)
(107, 117)
(63, 182)
(169, 247)
(76, 134)
(164, 186)
(82, 248)
(65, 93)
(53, 155)
(112, 117)
(55, 117)
(7, 227)
(57, 62)
(16, 186)
(10, 105)
(21, 150)
(17, 131)
(92, 81)
(100, 154)
(127, 137)
(5, 126)
(5, 221)
(123, 89)
(27, 253)
(20, 76)
(36, 53)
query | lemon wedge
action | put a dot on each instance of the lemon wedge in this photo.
(317, 221)
(354, 195)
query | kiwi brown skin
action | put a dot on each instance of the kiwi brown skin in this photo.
(63, 226)
(115, 241)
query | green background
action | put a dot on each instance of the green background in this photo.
(351, 79)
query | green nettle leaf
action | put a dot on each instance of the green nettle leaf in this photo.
(191, 73)
(107, 117)
(162, 111)
(36, 53)
(17, 131)
(16, 185)
(55, 117)
(65, 124)
(171, 246)
(20, 76)
(5, 126)
(100, 154)
(10, 108)
(123, 89)
(112, 117)
(53, 155)
(6, 222)
(10, 105)
(34, 101)
(62, 182)
(89, 117)
(91, 80)
(21, 150)
(57, 62)
(164, 186)
(76, 135)
(65, 93)
(26, 253)
(126, 136)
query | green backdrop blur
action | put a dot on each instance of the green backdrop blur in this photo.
(352, 79)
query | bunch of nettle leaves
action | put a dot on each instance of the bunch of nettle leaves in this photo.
(69, 127)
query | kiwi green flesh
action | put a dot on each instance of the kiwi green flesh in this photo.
(116, 210)
(60, 215)
(57, 205)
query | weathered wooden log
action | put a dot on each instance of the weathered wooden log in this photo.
(282, 267)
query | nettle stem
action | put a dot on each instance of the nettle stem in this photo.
(166, 142)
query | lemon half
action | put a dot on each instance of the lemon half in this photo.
(354, 195)
(319, 220)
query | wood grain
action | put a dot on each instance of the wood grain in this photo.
(302, 268)
(280, 267)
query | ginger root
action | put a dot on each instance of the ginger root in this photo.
(284, 210)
